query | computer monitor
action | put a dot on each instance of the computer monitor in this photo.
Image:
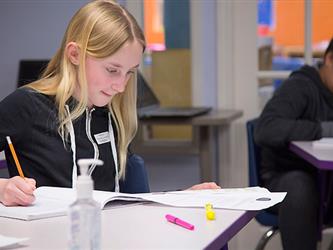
(146, 96)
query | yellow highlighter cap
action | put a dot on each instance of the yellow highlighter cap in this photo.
(208, 206)
(210, 214)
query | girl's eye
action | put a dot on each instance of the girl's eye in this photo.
(112, 71)
(131, 72)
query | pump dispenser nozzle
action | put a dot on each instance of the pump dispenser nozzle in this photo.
(84, 181)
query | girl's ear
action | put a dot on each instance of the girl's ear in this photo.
(330, 57)
(72, 52)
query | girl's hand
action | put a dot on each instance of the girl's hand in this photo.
(17, 191)
(205, 185)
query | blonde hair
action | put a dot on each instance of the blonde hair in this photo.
(100, 28)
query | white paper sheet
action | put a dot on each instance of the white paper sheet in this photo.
(6, 241)
(251, 198)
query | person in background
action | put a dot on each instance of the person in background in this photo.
(83, 106)
(300, 110)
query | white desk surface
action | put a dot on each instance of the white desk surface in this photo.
(136, 227)
(321, 158)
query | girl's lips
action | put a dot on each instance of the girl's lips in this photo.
(107, 94)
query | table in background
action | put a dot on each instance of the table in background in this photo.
(322, 159)
(210, 140)
(137, 227)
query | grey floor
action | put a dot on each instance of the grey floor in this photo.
(172, 172)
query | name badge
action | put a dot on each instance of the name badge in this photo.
(102, 138)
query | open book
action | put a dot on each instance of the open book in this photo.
(54, 201)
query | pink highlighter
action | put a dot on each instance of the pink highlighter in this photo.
(179, 222)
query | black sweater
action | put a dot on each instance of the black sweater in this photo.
(30, 119)
(294, 113)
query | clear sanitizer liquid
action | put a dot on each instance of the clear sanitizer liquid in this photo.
(85, 213)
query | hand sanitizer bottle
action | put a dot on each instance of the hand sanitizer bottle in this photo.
(85, 213)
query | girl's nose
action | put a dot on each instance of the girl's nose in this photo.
(120, 84)
(118, 87)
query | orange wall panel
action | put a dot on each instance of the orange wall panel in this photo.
(289, 21)
(322, 20)
(153, 32)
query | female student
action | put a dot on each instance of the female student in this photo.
(83, 106)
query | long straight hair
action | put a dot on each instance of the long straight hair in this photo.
(100, 28)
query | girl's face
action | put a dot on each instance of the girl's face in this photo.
(108, 76)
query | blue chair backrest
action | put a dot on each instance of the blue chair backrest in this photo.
(136, 178)
(265, 218)
(254, 154)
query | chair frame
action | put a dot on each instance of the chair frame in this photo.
(264, 218)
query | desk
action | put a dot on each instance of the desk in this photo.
(137, 227)
(322, 159)
(210, 135)
(318, 157)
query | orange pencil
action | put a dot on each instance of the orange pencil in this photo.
(12, 150)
